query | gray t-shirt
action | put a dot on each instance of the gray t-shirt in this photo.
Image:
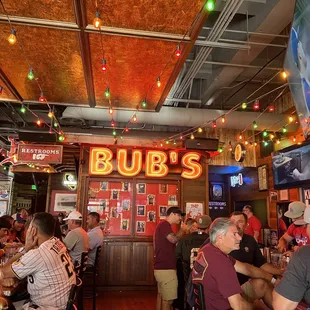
(295, 284)
(95, 240)
(77, 242)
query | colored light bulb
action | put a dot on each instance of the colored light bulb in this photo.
(265, 143)
(265, 133)
(244, 105)
(223, 119)
(214, 124)
(30, 74)
(278, 141)
(144, 104)
(126, 129)
(246, 142)
(240, 137)
(112, 123)
(220, 150)
(192, 137)
(284, 130)
(50, 114)
(55, 124)
(23, 109)
(256, 105)
(158, 82)
(107, 92)
(167, 141)
(61, 138)
(97, 20)
(134, 119)
(104, 65)
(42, 97)
(12, 37)
(210, 5)
(271, 108)
(284, 74)
(255, 125)
(39, 122)
(114, 132)
(110, 111)
(291, 119)
(199, 130)
(178, 51)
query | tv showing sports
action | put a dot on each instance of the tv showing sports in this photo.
(297, 63)
(291, 166)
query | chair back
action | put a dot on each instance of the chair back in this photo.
(199, 297)
(71, 299)
(98, 252)
(79, 268)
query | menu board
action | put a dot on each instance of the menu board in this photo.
(126, 208)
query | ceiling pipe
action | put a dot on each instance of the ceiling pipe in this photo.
(172, 116)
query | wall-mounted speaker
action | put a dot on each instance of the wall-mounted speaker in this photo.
(37, 136)
(202, 144)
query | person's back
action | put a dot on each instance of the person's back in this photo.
(50, 274)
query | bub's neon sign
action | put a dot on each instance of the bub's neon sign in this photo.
(100, 163)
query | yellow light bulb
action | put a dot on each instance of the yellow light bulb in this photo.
(97, 22)
(271, 136)
(291, 119)
(199, 129)
(192, 137)
(12, 38)
(284, 74)
(50, 114)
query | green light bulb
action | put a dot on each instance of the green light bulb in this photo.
(144, 104)
(284, 129)
(265, 143)
(254, 125)
(23, 109)
(61, 138)
(265, 133)
(210, 5)
(114, 132)
(30, 74)
(107, 92)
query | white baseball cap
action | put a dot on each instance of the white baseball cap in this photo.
(295, 209)
(306, 219)
(74, 215)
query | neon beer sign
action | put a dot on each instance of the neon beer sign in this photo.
(156, 163)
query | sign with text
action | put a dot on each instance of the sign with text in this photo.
(156, 163)
(236, 180)
(36, 153)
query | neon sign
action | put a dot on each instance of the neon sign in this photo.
(236, 180)
(156, 163)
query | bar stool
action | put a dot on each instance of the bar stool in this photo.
(79, 271)
(92, 272)
(199, 297)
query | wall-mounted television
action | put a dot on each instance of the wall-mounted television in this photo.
(291, 166)
(297, 63)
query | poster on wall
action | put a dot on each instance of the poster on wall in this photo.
(193, 209)
(63, 201)
(262, 178)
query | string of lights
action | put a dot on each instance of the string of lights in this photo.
(31, 76)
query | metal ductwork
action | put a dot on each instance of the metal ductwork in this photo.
(171, 116)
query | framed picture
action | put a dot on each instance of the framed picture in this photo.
(125, 224)
(114, 194)
(125, 186)
(126, 204)
(151, 200)
(172, 200)
(163, 188)
(193, 209)
(284, 195)
(114, 213)
(163, 212)
(140, 210)
(216, 191)
(151, 216)
(140, 228)
(262, 177)
(104, 186)
(63, 201)
(273, 196)
(141, 188)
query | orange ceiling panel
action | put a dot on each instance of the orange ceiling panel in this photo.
(6, 94)
(56, 61)
(44, 9)
(160, 15)
(133, 67)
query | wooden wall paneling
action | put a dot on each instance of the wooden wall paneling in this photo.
(118, 263)
(49, 193)
(206, 204)
(142, 263)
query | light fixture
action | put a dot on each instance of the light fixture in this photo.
(214, 124)
(255, 125)
(126, 129)
(110, 111)
(12, 37)
(39, 122)
(265, 133)
(104, 65)
(158, 82)
(134, 119)
(61, 138)
(244, 105)
(42, 98)
(291, 119)
(223, 119)
(192, 137)
(284, 74)
(284, 129)
(114, 132)
(199, 129)
(265, 143)
(30, 74)
(246, 142)
(23, 109)
(112, 123)
(107, 92)
(50, 114)
(178, 51)
(97, 20)
(271, 108)
(220, 150)
(240, 137)
(144, 104)
(271, 136)
(210, 5)
(167, 141)
(256, 105)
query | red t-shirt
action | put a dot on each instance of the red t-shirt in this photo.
(164, 251)
(215, 271)
(282, 227)
(254, 224)
(299, 233)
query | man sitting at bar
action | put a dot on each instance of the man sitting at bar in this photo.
(47, 265)
(95, 235)
(294, 286)
(295, 231)
(77, 240)
(249, 251)
(254, 224)
(216, 271)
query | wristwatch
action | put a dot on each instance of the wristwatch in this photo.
(22, 251)
(274, 279)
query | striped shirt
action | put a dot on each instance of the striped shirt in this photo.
(50, 274)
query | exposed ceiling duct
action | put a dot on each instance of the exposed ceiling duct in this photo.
(172, 116)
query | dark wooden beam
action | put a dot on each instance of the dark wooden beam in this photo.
(81, 20)
(9, 85)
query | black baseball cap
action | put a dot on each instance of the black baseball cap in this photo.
(175, 210)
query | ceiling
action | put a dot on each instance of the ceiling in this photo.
(240, 47)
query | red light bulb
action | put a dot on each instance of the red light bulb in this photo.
(271, 108)
(104, 65)
(256, 105)
(42, 98)
(39, 122)
(126, 129)
(112, 123)
(214, 124)
(178, 51)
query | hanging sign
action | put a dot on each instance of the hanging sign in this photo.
(156, 163)
(36, 153)
(236, 180)
(70, 181)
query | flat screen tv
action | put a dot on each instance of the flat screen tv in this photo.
(297, 63)
(291, 166)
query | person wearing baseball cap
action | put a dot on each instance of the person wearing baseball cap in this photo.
(298, 229)
(164, 258)
(77, 240)
(188, 246)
